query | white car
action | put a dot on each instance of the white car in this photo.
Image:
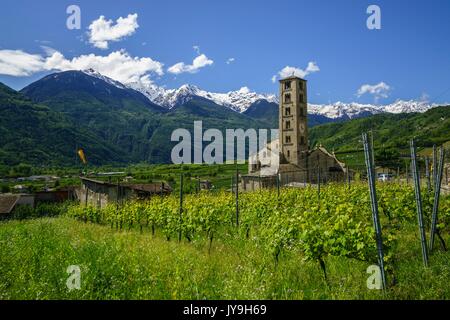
(384, 177)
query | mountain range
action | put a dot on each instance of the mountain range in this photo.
(241, 100)
(48, 120)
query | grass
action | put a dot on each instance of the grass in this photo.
(128, 265)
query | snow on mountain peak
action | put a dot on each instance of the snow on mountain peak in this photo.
(401, 106)
(241, 99)
(93, 73)
(244, 90)
(238, 101)
(355, 110)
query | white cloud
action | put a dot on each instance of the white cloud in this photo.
(48, 50)
(102, 31)
(118, 65)
(44, 42)
(199, 62)
(380, 90)
(230, 60)
(19, 64)
(197, 49)
(293, 71)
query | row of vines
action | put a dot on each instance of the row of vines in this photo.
(337, 224)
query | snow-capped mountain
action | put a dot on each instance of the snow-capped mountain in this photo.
(410, 106)
(340, 110)
(357, 110)
(95, 74)
(239, 100)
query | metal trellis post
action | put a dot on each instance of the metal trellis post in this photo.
(434, 164)
(416, 178)
(374, 205)
(181, 207)
(427, 174)
(237, 197)
(437, 193)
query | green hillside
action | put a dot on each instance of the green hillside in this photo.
(33, 133)
(267, 112)
(390, 130)
(47, 121)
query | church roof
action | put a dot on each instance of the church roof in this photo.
(292, 78)
(332, 155)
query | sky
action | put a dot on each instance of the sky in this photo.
(222, 46)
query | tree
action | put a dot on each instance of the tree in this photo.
(387, 157)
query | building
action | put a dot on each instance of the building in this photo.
(46, 178)
(100, 193)
(57, 196)
(9, 202)
(290, 156)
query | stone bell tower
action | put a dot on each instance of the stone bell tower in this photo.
(293, 125)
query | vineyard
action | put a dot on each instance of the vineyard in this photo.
(295, 221)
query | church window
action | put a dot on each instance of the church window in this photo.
(287, 85)
(302, 98)
(287, 98)
(288, 125)
(288, 111)
(288, 139)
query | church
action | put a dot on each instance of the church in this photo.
(289, 156)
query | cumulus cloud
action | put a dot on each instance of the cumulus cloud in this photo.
(118, 65)
(199, 62)
(293, 71)
(102, 31)
(380, 90)
(230, 60)
(18, 63)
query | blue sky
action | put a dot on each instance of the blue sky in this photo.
(409, 58)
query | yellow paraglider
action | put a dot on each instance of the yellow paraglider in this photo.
(82, 156)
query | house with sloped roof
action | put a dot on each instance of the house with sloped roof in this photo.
(100, 193)
(9, 202)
